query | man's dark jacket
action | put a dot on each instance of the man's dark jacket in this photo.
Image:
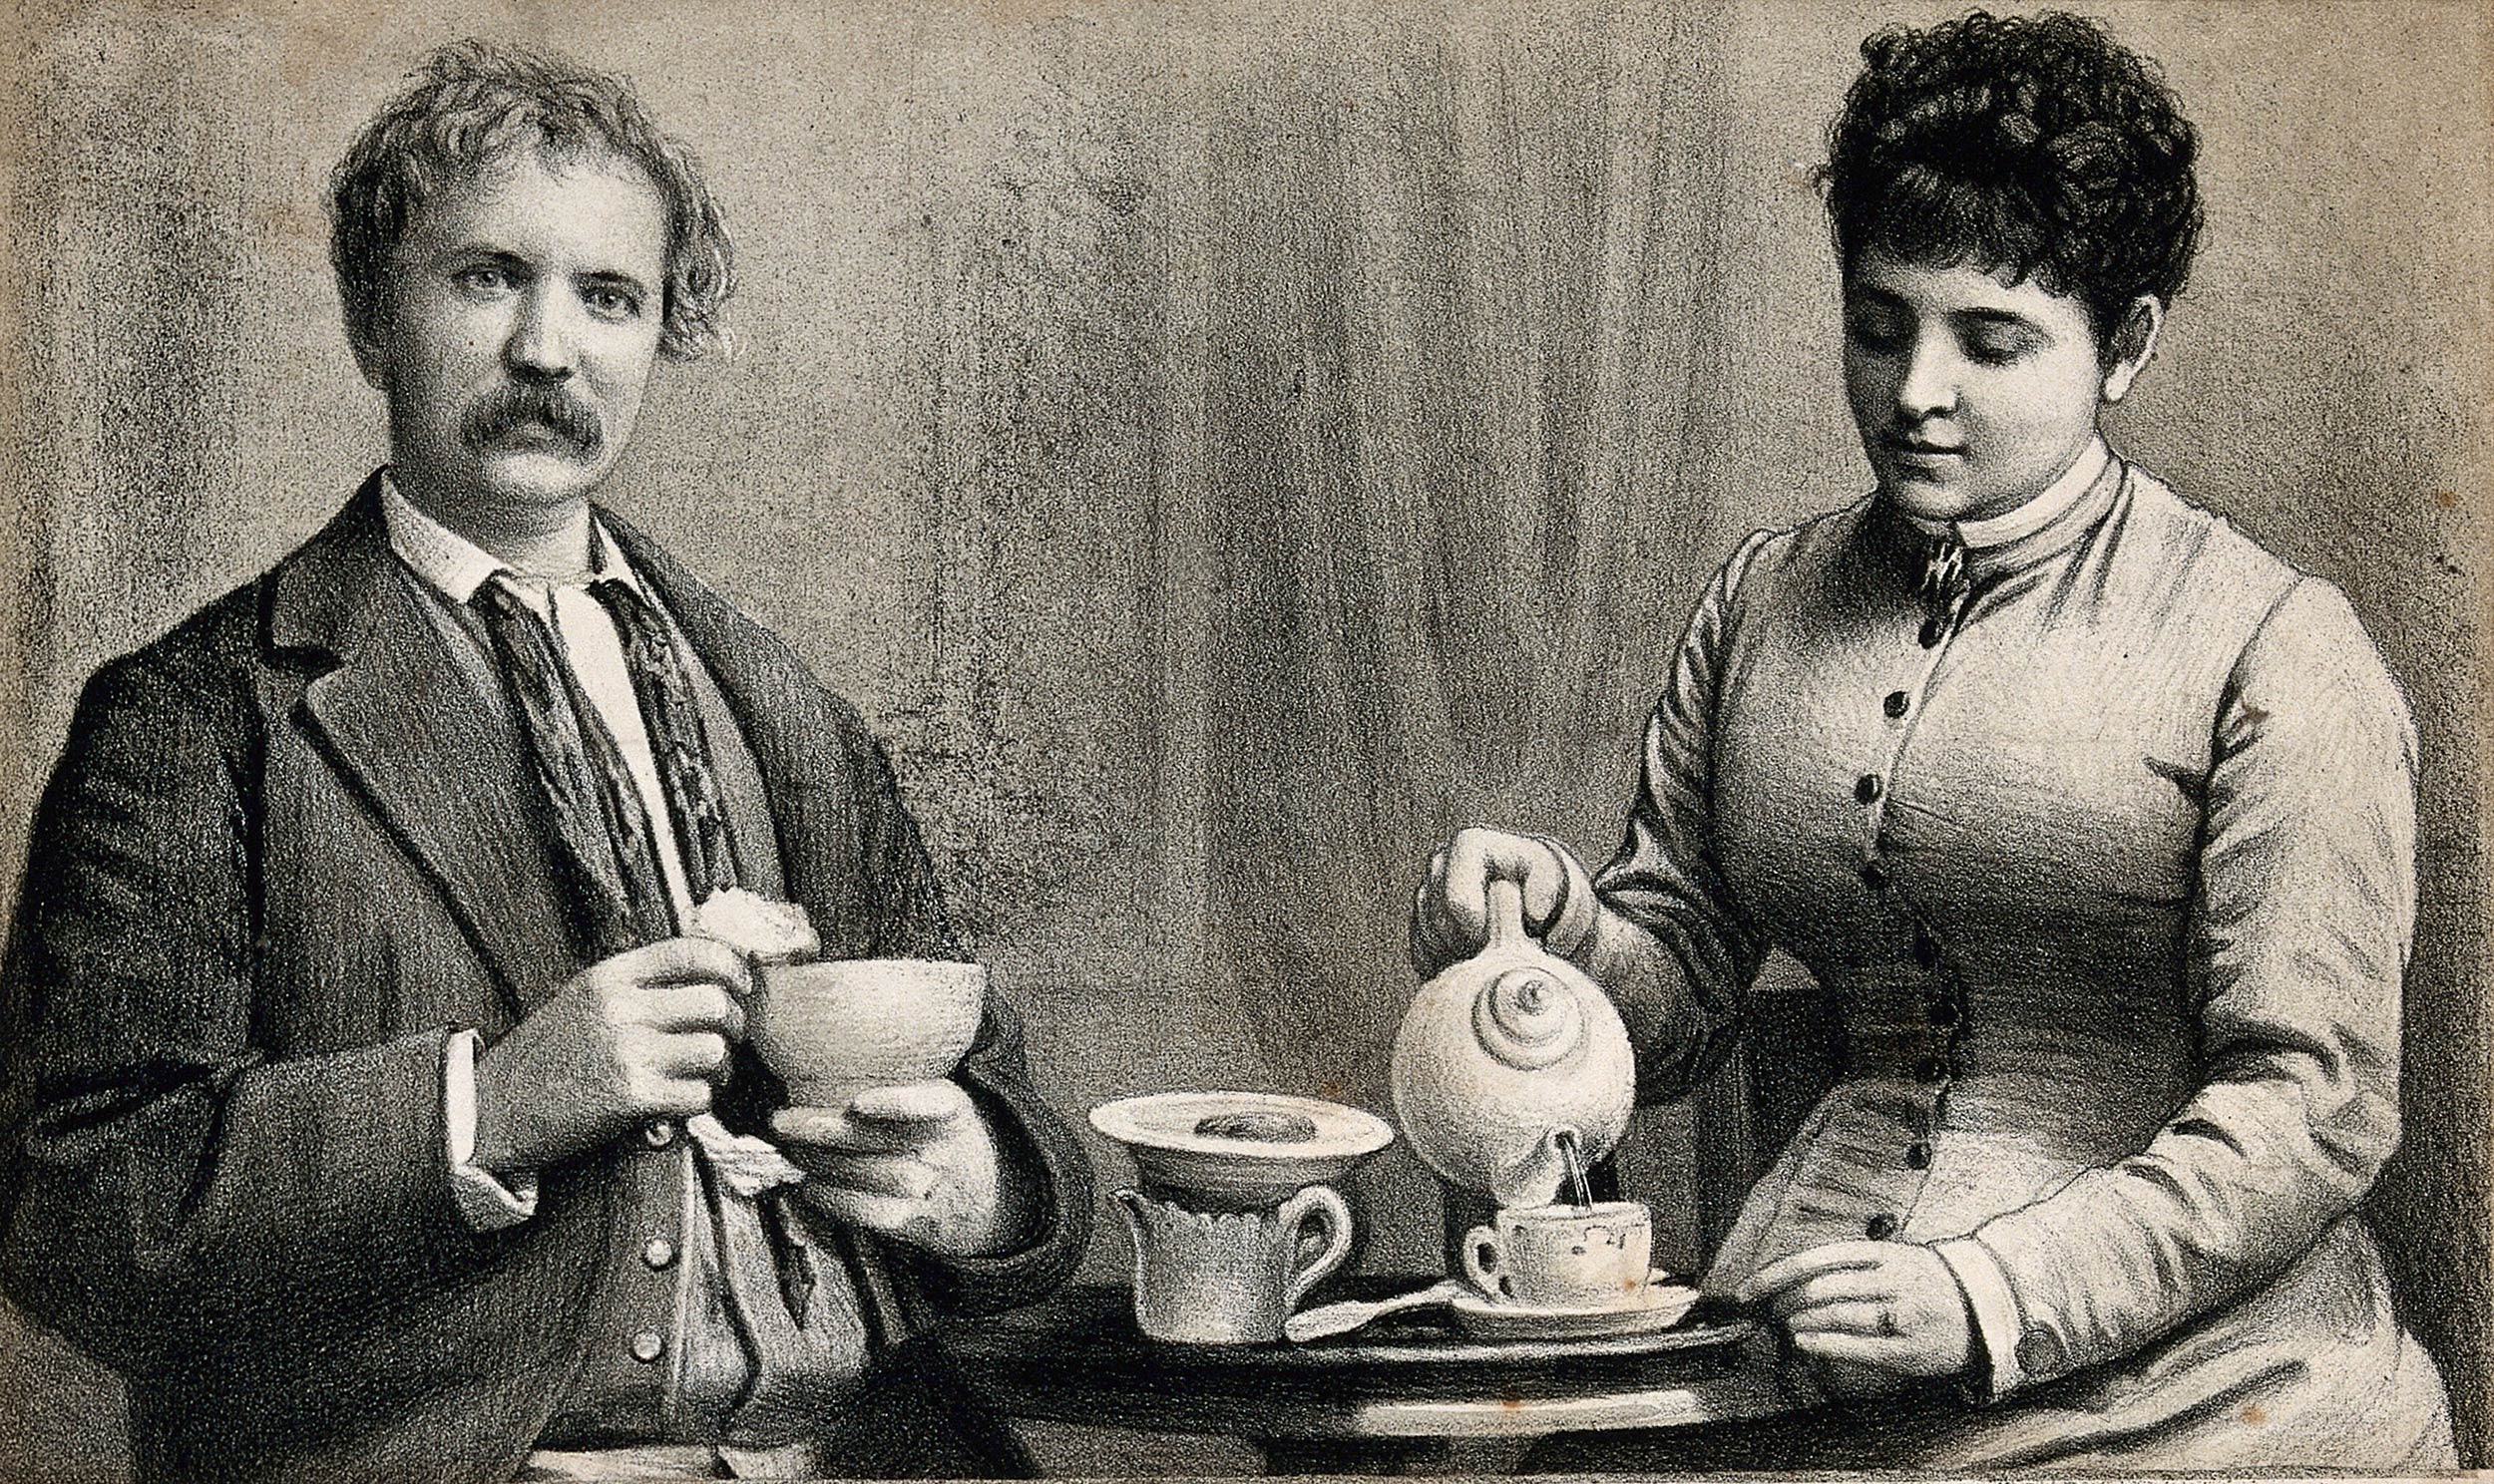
(283, 857)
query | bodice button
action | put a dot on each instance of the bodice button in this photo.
(2041, 1353)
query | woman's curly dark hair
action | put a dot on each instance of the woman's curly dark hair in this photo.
(2035, 144)
(471, 104)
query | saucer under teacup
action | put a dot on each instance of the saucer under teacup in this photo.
(1660, 1304)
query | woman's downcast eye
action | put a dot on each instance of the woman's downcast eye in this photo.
(1995, 349)
(1876, 333)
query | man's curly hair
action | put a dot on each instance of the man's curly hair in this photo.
(2032, 144)
(469, 105)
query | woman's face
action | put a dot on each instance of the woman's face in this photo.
(1972, 395)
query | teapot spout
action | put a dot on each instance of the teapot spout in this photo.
(1550, 1170)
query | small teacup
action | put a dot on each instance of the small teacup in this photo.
(1563, 1257)
(835, 1027)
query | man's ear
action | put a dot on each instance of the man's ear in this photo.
(368, 361)
(2132, 345)
(365, 334)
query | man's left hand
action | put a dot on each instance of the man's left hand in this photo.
(1873, 1315)
(914, 1161)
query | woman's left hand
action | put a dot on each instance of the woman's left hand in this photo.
(1875, 1315)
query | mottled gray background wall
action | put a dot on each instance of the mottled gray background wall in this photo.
(1225, 447)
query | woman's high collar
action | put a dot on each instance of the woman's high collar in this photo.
(2034, 516)
(2024, 537)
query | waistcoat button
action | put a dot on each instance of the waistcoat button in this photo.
(1868, 789)
(657, 1133)
(1917, 1156)
(1881, 1227)
(1896, 703)
(648, 1346)
(1933, 630)
(657, 1252)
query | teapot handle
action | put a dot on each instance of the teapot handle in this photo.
(1507, 914)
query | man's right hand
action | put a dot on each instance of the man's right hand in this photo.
(640, 1036)
(1451, 911)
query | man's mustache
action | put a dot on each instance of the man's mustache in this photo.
(513, 408)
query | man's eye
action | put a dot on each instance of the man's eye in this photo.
(483, 281)
(613, 303)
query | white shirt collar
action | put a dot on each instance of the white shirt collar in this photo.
(456, 567)
(2034, 514)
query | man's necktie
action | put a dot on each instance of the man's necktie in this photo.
(598, 824)
(678, 744)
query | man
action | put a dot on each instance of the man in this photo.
(371, 1106)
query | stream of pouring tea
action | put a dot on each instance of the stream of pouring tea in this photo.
(1572, 1183)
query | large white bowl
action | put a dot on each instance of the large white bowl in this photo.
(1158, 1130)
(834, 1027)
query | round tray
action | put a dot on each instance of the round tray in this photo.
(1091, 1327)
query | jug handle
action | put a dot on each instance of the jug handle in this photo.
(1329, 1211)
(1130, 1206)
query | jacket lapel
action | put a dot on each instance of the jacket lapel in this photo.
(399, 721)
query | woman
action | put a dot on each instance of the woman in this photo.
(2093, 820)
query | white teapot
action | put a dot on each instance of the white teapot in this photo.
(1502, 1052)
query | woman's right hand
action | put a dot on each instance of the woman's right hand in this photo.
(1451, 911)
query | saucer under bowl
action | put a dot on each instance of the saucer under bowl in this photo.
(1239, 1150)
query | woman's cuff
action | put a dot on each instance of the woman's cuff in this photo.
(487, 1204)
(1997, 1318)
